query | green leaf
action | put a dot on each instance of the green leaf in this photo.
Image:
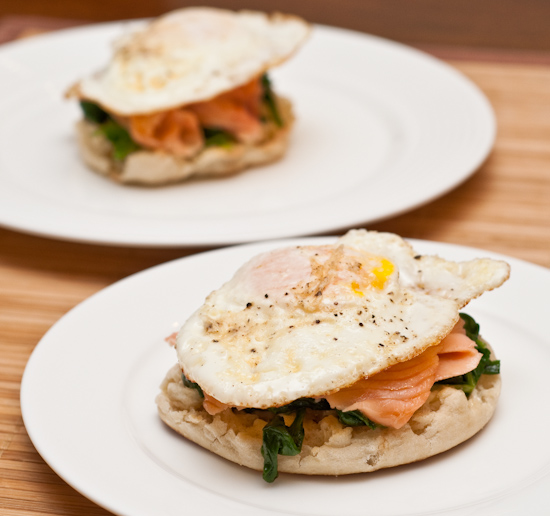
(217, 138)
(192, 385)
(470, 326)
(120, 139)
(301, 403)
(278, 439)
(297, 429)
(93, 113)
(270, 102)
(355, 418)
(492, 367)
(118, 136)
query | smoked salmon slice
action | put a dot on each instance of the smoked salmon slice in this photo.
(180, 131)
(237, 112)
(177, 131)
(391, 397)
(457, 355)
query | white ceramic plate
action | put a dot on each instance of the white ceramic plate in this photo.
(88, 404)
(381, 129)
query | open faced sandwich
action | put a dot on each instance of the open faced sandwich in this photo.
(188, 95)
(336, 359)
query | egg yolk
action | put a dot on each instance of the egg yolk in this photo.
(377, 277)
(382, 273)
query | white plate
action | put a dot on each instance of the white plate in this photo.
(88, 404)
(382, 128)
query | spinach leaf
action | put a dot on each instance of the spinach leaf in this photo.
(278, 439)
(270, 102)
(93, 113)
(467, 382)
(192, 385)
(492, 367)
(217, 138)
(471, 327)
(119, 138)
(297, 429)
(355, 418)
(301, 403)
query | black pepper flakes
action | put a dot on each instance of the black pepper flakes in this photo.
(381, 345)
(317, 321)
(266, 296)
(360, 324)
(248, 305)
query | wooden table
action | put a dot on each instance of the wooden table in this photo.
(504, 207)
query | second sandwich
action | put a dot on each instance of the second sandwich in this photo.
(188, 95)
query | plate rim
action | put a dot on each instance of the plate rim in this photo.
(248, 249)
(484, 113)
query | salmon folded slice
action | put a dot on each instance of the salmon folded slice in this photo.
(237, 112)
(179, 131)
(391, 397)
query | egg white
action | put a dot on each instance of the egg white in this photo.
(307, 321)
(191, 55)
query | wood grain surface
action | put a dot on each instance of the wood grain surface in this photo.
(504, 207)
(502, 24)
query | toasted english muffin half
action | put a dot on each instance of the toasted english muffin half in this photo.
(149, 167)
(447, 419)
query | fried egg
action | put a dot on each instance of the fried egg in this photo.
(191, 55)
(306, 321)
